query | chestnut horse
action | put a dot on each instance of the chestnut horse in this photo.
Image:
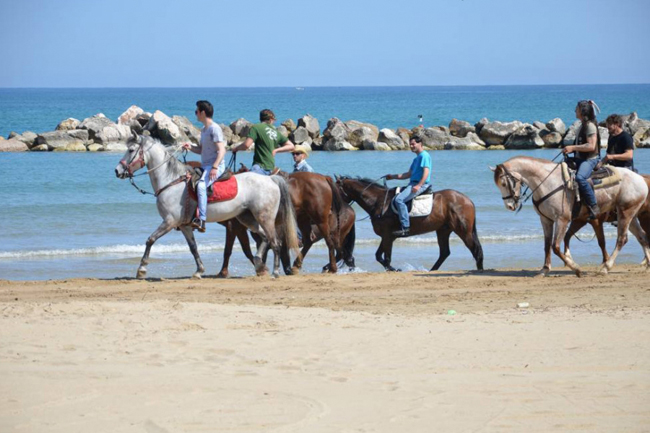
(643, 216)
(320, 214)
(452, 212)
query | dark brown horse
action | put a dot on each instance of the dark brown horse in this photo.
(643, 216)
(452, 212)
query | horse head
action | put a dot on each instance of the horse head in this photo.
(509, 185)
(133, 159)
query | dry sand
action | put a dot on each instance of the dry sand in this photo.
(322, 353)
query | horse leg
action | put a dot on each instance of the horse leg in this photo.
(561, 226)
(641, 236)
(547, 226)
(625, 219)
(387, 247)
(443, 244)
(307, 242)
(162, 230)
(574, 228)
(331, 245)
(227, 251)
(597, 225)
(191, 242)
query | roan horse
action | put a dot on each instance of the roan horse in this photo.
(259, 201)
(643, 216)
(553, 202)
(452, 212)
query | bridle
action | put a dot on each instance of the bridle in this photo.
(514, 187)
(350, 200)
(138, 158)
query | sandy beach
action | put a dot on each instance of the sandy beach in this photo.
(371, 352)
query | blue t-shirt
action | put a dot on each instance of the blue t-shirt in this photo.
(417, 167)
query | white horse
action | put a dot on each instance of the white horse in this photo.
(259, 200)
(553, 202)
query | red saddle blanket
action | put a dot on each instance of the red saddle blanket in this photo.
(221, 191)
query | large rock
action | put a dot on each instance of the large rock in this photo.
(68, 124)
(336, 130)
(241, 127)
(361, 135)
(94, 147)
(290, 125)
(373, 145)
(551, 139)
(404, 134)
(470, 142)
(73, 147)
(556, 125)
(525, 137)
(460, 128)
(27, 137)
(642, 138)
(227, 133)
(131, 113)
(115, 147)
(300, 135)
(570, 136)
(434, 139)
(480, 124)
(312, 125)
(188, 128)
(162, 127)
(61, 140)
(633, 123)
(12, 145)
(353, 125)
(498, 132)
(94, 125)
(334, 145)
(393, 140)
(113, 134)
(539, 125)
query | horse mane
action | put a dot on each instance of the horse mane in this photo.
(365, 181)
(173, 167)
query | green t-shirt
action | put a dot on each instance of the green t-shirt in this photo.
(266, 138)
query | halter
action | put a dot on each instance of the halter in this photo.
(379, 215)
(514, 187)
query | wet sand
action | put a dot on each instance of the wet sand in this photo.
(371, 352)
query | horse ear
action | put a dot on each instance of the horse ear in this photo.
(337, 177)
(492, 168)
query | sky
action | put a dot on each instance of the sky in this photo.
(245, 43)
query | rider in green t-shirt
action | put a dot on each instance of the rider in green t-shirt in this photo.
(268, 141)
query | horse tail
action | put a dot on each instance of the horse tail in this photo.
(286, 213)
(477, 249)
(337, 205)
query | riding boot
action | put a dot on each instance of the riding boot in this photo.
(594, 211)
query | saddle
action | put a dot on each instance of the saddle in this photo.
(420, 206)
(226, 186)
(601, 177)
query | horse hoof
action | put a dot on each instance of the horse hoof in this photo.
(295, 270)
(603, 270)
(275, 274)
(222, 274)
(141, 274)
(196, 276)
(578, 273)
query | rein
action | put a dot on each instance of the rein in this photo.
(141, 161)
(385, 197)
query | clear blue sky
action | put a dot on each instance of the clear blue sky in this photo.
(213, 43)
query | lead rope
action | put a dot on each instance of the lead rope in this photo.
(540, 184)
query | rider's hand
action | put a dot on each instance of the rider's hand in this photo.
(213, 174)
(605, 158)
(187, 146)
(415, 188)
(389, 176)
(568, 149)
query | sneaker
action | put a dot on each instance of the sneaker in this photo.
(199, 225)
(401, 233)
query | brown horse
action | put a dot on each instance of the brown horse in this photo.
(452, 212)
(643, 216)
(320, 214)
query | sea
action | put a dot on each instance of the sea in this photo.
(66, 215)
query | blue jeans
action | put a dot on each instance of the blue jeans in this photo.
(202, 189)
(259, 170)
(585, 167)
(407, 194)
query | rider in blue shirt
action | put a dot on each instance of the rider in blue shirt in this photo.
(419, 176)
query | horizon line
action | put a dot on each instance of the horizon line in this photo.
(319, 87)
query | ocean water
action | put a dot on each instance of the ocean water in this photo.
(65, 215)
(40, 110)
